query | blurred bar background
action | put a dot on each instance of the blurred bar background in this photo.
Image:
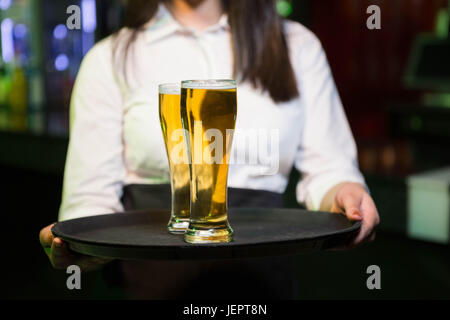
(394, 83)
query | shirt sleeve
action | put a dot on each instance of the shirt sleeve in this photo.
(327, 152)
(94, 171)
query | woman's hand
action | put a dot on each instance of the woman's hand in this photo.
(61, 257)
(353, 200)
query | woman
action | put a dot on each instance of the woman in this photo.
(285, 84)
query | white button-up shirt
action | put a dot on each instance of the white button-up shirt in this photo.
(115, 132)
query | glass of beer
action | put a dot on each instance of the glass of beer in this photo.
(208, 113)
(170, 118)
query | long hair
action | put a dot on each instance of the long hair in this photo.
(260, 49)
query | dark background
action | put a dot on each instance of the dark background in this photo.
(369, 68)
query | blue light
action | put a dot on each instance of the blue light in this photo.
(60, 32)
(20, 31)
(7, 40)
(5, 4)
(61, 62)
(89, 15)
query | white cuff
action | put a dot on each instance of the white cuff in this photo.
(315, 190)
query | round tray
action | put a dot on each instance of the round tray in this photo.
(257, 233)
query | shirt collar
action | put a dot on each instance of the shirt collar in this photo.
(164, 24)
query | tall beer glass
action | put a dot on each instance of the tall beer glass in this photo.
(170, 118)
(208, 112)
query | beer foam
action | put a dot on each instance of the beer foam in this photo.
(209, 84)
(169, 88)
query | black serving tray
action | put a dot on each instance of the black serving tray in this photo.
(257, 233)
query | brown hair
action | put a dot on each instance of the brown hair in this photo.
(260, 50)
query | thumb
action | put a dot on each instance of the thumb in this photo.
(46, 236)
(351, 205)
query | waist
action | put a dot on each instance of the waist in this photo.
(158, 196)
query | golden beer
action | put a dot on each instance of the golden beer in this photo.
(208, 111)
(170, 117)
